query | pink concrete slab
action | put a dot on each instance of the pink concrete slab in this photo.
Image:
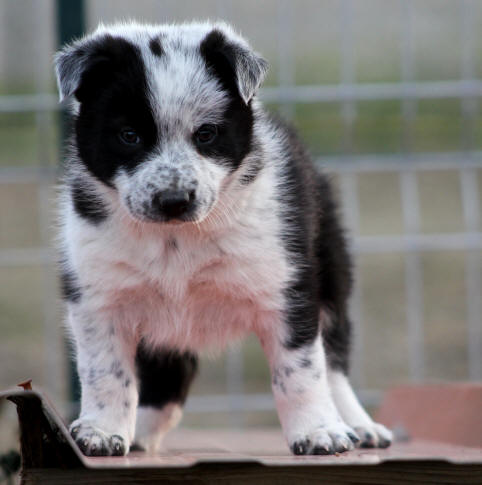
(449, 413)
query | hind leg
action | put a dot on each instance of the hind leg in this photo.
(335, 279)
(164, 380)
(336, 336)
(370, 433)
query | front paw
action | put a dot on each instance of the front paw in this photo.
(92, 441)
(324, 440)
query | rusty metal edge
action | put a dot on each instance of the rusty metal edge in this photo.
(52, 415)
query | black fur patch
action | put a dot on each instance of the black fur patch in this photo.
(221, 57)
(164, 376)
(233, 141)
(235, 132)
(316, 243)
(87, 205)
(335, 279)
(228, 59)
(301, 217)
(156, 47)
(69, 286)
(113, 95)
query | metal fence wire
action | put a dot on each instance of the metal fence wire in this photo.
(348, 167)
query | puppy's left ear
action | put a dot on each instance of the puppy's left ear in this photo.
(237, 66)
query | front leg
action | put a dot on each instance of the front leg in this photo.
(105, 362)
(308, 415)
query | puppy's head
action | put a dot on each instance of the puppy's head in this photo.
(163, 114)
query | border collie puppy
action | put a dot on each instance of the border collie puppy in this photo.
(191, 217)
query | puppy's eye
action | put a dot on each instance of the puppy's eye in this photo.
(206, 134)
(129, 137)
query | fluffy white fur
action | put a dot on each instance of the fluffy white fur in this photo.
(152, 424)
(190, 286)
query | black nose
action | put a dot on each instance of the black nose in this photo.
(172, 204)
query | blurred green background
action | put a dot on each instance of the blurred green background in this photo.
(307, 42)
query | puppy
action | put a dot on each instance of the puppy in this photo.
(191, 217)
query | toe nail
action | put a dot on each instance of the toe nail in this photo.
(384, 443)
(322, 450)
(354, 437)
(299, 449)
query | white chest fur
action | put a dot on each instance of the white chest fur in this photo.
(181, 286)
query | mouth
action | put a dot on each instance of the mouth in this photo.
(159, 219)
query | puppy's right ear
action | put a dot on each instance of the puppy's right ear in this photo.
(74, 66)
(70, 64)
(88, 65)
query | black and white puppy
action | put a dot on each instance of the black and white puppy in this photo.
(191, 217)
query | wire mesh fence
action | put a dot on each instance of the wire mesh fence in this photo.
(387, 199)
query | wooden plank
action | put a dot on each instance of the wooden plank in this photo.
(233, 474)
